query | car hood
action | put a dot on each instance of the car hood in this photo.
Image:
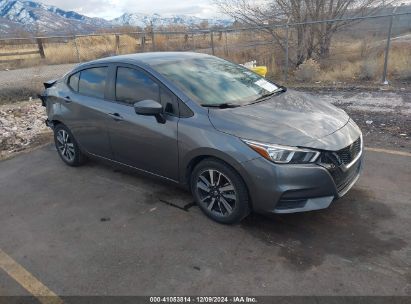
(291, 118)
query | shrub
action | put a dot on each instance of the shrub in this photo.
(309, 70)
(368, 70)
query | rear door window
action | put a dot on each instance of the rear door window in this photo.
(93, 82)
(133, 85)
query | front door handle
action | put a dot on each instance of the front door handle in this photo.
(67, 99)
(115, 116)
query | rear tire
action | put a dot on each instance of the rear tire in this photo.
(219, 191)
(67, 146)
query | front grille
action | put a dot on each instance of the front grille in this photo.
(337, 162)
(348, 154)
(343, 179)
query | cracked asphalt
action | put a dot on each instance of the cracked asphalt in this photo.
(100, 230)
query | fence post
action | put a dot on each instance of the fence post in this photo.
(75, 45)
(41, 48)
(143, 41)
(153, 44)
(286, 53)
(387, 49)
(212, 42)
(194, 43)
(117, 44)
(185, 41)
(226, 46)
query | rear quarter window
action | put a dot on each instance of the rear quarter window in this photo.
(73, 81)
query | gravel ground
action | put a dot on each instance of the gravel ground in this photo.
(21, 84)
(22, 127)
(384, 117)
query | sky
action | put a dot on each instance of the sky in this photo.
(110, 9)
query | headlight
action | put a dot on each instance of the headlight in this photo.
(283, 154)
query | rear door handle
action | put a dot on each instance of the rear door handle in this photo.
(115, 116)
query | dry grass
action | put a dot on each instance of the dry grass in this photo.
(363, 60)
(350, 60)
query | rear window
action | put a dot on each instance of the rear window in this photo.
(93, 82)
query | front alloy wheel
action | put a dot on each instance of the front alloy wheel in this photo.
(216, 192)
(220, 191)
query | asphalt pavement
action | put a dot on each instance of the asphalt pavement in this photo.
(100, 230)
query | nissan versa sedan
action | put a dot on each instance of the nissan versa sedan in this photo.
(239, 142)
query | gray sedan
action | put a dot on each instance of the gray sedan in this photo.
(239, 142)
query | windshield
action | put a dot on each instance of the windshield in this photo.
(211, 81)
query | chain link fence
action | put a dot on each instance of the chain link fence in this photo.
(368, 49)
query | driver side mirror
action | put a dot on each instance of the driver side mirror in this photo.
(150, 108)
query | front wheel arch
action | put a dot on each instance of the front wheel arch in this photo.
(198, 159)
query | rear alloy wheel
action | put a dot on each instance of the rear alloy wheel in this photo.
(220, 192)
(67, 146)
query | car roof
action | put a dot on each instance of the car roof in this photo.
(150, 58)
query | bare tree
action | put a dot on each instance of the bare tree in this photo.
(310, 39)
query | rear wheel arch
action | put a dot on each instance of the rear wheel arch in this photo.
(56, 122)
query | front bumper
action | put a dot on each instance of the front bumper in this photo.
(296, 188)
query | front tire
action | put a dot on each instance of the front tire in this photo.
(220, 192)
(67, 146)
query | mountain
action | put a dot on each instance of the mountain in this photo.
(142, 20)
(37, 17)
(10, 27)
(17, 16)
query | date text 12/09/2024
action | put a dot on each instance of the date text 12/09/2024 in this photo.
(203, 299)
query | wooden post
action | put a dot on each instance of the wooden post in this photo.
(193, 42)
(143, 42)
(212, 42)
(41, 48)
(226, 45)
(185, 41)
(153, 44)
(75, 45)
(117, 44)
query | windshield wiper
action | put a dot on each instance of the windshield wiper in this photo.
(276, 92)
(223, 105)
